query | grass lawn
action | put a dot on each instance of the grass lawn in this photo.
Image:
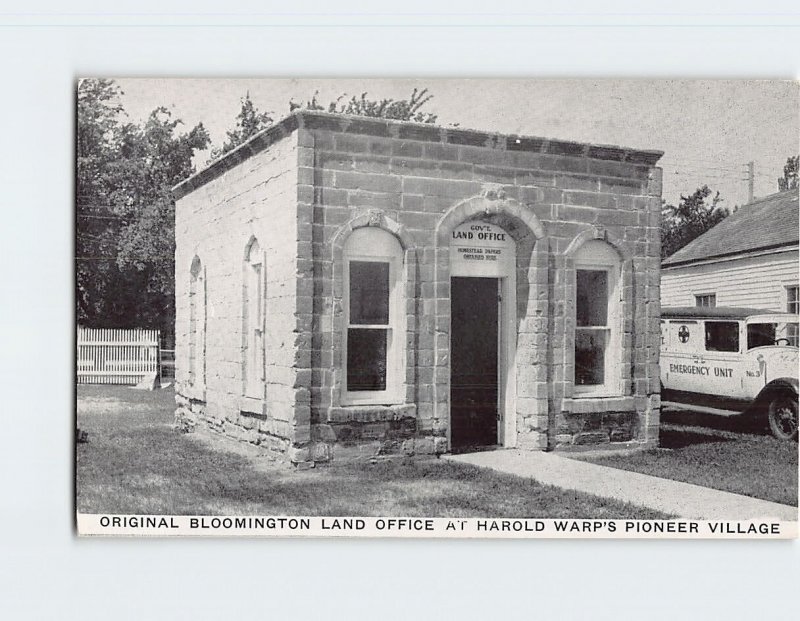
(722, 453)
(134, 462)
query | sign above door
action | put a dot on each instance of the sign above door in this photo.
(481, 249)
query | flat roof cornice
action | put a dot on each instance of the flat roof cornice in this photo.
(408, 130)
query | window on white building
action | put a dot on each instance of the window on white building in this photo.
(253, 315)
(792, 299)
(793, 306)
(597, 315)
(707, 300)
(197, 305)
(374, 320)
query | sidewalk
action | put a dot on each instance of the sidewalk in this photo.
(673, 497)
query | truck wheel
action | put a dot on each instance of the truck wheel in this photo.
(783, 417)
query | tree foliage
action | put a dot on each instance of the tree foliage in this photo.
(125, 229)
(790, 171)
(249, 122)
(125, 215)
(690, 218)
(398, 109)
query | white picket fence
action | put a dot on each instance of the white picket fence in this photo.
(116, 356)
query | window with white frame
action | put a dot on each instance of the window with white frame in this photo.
(597, 315)
(253, 315)
(374, 335)
(706, 300)
(792, 299)
(197, 304)
(792, 306)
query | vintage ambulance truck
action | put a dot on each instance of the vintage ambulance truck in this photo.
(732, 360)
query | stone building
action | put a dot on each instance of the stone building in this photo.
(349, 286)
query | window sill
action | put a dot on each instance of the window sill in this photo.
(371, 401)
(365, 413)
(589, 403)
(601, 392)
(195, 392)
(251, 405)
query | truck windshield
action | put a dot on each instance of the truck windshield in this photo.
(765, 334)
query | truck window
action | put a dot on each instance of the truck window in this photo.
(722, 336)
(760, 335)
(766, 334)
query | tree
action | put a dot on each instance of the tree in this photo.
(249, 122)
(125, 229)
(790, 170)
(692, 217)
(98, 134)
(402, 109)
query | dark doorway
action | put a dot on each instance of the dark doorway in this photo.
(473, 362)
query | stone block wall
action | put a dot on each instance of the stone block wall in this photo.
(215, 222)
(304, 185)
(420, 183)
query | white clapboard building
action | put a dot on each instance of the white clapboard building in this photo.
(749, 259)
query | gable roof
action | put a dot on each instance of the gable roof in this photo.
(769, 222)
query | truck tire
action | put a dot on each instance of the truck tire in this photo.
(782, 416)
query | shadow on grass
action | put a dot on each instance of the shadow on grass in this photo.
(751, 425)
(678, 438)
(135, 463)
(718, 457)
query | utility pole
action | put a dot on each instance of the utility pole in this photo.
(750, 180)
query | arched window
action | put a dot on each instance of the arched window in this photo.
(197, 321)
(253, 315)
(374, 321)
(597, 319)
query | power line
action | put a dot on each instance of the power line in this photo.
(95, 217)
(89, 236)
(114, 210)
(703, 163)
(142, 216)
(114, 258)
(706, 169)
(696, 166)
(688, 171)
(705, 175)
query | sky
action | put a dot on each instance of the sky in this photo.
(708, 129)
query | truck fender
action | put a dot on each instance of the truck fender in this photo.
(782, 384)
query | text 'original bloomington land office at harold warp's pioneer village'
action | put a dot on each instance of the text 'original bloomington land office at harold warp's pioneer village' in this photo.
(349, 286)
